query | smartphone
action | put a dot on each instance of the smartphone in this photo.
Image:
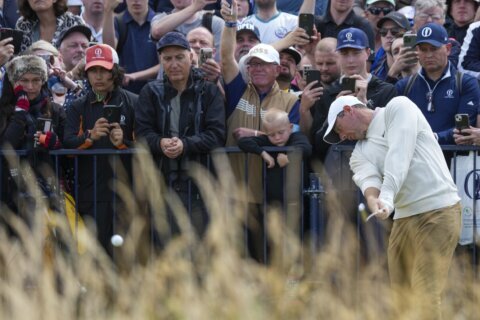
(44, 124)
(348, 84)
(49, 60)
(312, 75)
(305, 71)
(112, 113)
(205, 53)
(17, 36)
(461, 122)
(409, 40)
(306, 22)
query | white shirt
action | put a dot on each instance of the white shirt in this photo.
(274, 29)
(401, 157)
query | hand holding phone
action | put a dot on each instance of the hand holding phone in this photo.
(306, 21)
(313, 75)
(205, 54)
(410, 40)
(461, 122)
(17, 36)
(348, 84)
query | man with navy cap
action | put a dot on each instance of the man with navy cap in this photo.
(182, 119)
(247, 37)
(398, 164)
(353, 50)
(438, 89)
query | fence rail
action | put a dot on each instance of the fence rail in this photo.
(313, 216)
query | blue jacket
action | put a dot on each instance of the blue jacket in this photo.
(446, 100)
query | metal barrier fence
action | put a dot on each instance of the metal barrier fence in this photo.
(313, 220)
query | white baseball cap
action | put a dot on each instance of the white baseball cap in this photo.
(264, 52)
(335, 108)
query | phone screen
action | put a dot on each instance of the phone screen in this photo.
(44, 124)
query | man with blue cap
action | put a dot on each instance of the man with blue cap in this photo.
(182, 119)
(438, 89)
(353, 51)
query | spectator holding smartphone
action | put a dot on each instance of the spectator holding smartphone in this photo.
(86, 128)
(23, 104)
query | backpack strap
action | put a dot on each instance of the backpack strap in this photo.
(207, 20)
(409, 85)
(122, 32)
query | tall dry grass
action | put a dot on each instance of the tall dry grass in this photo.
(194, 278)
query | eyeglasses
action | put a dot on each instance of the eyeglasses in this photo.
(425, 16)
(376, 10)
(260, 64)
(394, 31)
(35, 82)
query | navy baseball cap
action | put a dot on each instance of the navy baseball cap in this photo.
(249, 27)
(352, 38)
(173, 39)
(433, 34)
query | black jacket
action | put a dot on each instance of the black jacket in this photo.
(81, 117)
(202, 117)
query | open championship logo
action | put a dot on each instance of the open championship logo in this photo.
(349, 36)
(476, 185)
(426, 32)
(98, 52)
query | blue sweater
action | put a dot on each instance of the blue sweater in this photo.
(446, 100)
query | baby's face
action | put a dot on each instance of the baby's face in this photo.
(278, 133)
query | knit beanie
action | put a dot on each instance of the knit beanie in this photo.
(20, 65)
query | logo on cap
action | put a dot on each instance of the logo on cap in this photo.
(427, 32)
(349, 36)
(98, 52)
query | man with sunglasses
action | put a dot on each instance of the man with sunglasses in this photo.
(376, 10)
(340, 16)
(390, 27)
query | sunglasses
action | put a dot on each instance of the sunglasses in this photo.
(376, 10)
(394, 31)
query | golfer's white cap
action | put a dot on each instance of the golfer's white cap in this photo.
(335, 108)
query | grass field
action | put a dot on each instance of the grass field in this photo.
(207, 278)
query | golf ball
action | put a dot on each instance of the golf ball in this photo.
(117, 240)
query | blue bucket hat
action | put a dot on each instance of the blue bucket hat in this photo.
(433, 34)
(352, 38)
(173, 39)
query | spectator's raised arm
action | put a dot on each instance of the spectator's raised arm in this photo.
(171, 21)
(230, 67)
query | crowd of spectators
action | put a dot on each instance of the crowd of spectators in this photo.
(194, 75)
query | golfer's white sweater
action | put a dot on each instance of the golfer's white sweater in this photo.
(401, 157)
